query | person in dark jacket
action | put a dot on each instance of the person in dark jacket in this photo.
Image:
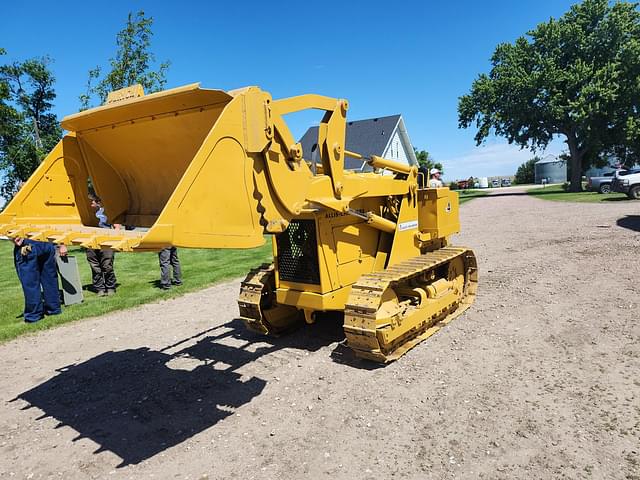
(35, 264)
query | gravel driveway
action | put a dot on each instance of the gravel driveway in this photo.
(538, 380)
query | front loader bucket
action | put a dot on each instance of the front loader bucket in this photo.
(173, 165)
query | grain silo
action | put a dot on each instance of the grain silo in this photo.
(552, 169)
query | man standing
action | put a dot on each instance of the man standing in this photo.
(35, 264)
(101, 260)
(435, 181)
(169, 258)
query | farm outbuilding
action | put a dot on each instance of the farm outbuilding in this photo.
(552, 169)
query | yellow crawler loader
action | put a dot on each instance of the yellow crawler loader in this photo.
(201, 168)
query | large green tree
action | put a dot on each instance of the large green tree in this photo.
(132, 64)
(28, 128)
(576, 77)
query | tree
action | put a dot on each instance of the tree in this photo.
(526, 172)
(575, 77)
(426, 161)
(8, 114)
(28, 129)
(131, 65)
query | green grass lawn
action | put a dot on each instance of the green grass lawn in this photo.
(138, 277)
(466, 195)
(556, 193)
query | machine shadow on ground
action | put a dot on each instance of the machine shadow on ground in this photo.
(139, 402)
(632, 222)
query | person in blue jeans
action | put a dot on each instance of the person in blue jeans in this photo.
(35, 264)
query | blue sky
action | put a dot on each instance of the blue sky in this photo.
(415, 58)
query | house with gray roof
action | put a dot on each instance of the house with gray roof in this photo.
(383, 136)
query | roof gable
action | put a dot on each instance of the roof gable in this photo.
(366, 137)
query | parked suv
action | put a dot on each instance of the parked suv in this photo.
(506, 182)
(627, 181)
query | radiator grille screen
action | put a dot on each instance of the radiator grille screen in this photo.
(298, 253)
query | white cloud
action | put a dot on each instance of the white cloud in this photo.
(494, 159)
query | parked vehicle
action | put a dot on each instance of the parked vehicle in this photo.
(506, 182)
(627, 181)
(495, 183)
(600, 184)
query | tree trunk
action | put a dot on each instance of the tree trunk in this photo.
(576, 174)
(576, 164)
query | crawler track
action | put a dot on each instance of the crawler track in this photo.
(258, 307)
(391, 311)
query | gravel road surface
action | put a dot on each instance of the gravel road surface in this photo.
(539, 379)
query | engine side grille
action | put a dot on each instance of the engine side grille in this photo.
(298, 253)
